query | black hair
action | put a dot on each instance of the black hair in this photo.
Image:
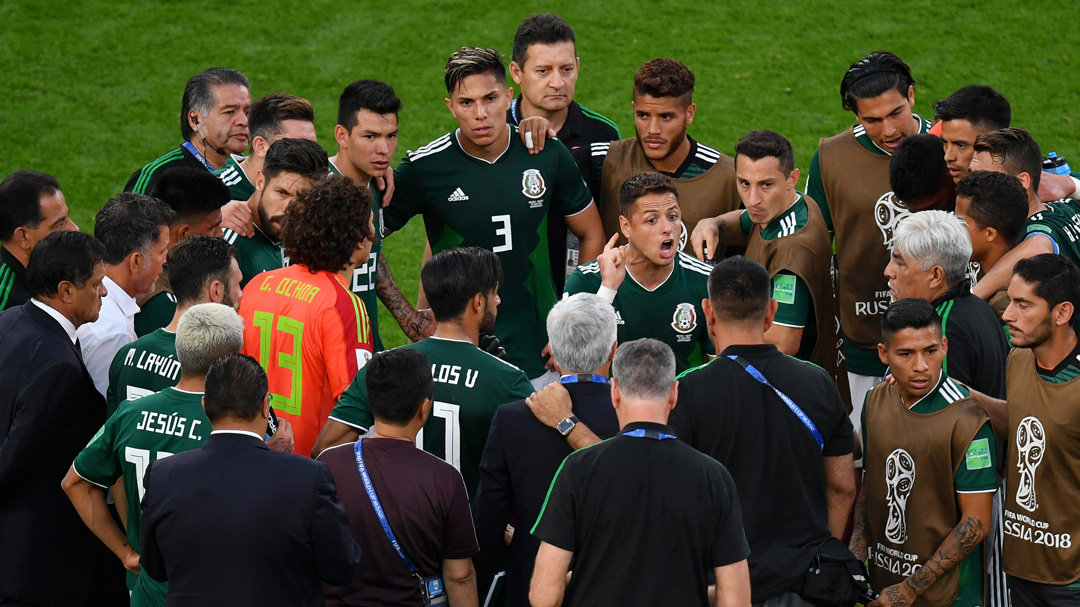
(541, 28)
(910, 313)
(194, 262)
(20, 200)
(191, 192)
(59, 257)
(739, 289)
(980, 105)
(199, 93)
(767, 144)
(917, 170)
(1054, 277)
(470, 61)
(269, 111)
(372, 95)
(300, 156)
(452, 277)
(398, 381)
(661, 77)
(130, 222)
(643, 184)
(998, 201)
(874, 75)
(1015, 149)
(235, 388)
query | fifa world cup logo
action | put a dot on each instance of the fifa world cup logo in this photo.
(1030, 446)
(899, 479)
(888, 211)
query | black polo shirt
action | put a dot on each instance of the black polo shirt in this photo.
(777, 465)
(977, 345)
(12, 281)
(647, 520)
(582, 128)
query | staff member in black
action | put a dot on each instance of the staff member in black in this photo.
(49, 410)
(522, 454)
(637, 533)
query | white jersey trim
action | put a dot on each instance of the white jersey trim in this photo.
(349, 424)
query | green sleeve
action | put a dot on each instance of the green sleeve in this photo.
(579, 282)
(155, 314)
(408, 197)
(352, 408)
(571, 196)
(978, 472)
(521, 389)
(97, 462)
(745, 223)
(792, 300)
(815, 189)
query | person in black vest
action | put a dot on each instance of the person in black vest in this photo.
(234, 523)
(638, 532)
(49, 410)
(522, 455)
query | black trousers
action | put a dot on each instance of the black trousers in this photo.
(1034, 594)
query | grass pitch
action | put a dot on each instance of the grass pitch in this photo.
(92, 90)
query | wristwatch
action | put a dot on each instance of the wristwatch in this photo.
(565, 426)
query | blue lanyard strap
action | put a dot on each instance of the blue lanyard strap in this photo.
(359, 449)
(187, 145)
(643, 433)
(805, 419)
(574, 379)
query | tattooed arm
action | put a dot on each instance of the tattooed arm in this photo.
(973, 528)
(857, 545)
(417, 324)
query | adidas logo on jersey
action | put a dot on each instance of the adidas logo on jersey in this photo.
(618, 318)
(457, 196)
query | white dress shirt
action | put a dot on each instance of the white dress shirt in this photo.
(103, 338)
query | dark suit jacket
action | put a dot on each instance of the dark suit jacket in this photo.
(521, 457)
(234, 523)
(49, 410)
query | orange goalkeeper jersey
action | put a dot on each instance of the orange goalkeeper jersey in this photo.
(312, 335)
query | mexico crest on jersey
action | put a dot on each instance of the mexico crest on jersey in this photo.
(532, 183)
(685, 318)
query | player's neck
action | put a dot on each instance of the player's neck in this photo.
(674, 160)
(643, 270)
(252, 164)
(121, 277)
(490, 152)
(743, 334)
(993, 255)
(349, 170)
(383, 430)
(1051, 352)
(458, 331)
(556, 118)
(175, 322)
(191, 383)
(1035, 205)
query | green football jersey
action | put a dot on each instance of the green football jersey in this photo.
(143, 367)
(1061, 223)
(363, 278)
(241, 187)
(501, 206)
(671, 312)
(470, 384)
(157, 312)
(256, 254)
(142, 431)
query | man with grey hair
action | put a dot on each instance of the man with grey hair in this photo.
(150, 428)
(522, 454)
(929, 260)
(637, 533)
(213, 123)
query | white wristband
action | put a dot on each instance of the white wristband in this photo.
(1076, 192)
(606, 293)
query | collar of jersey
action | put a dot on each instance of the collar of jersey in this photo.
(674, 262)
(511, 130)
(792, 209)
(864, 140)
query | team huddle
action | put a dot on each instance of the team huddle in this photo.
(641, 371)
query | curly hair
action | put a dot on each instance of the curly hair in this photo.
(325, 223)
(664, 78)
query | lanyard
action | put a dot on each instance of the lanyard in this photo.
(643, 433)
(803, 417)
(187, 145)
(359, 449)
(584, 379)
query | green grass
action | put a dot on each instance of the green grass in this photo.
(91, 91)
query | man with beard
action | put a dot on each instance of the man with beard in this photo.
(291, 165)
(964, 115)
(462, 286)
